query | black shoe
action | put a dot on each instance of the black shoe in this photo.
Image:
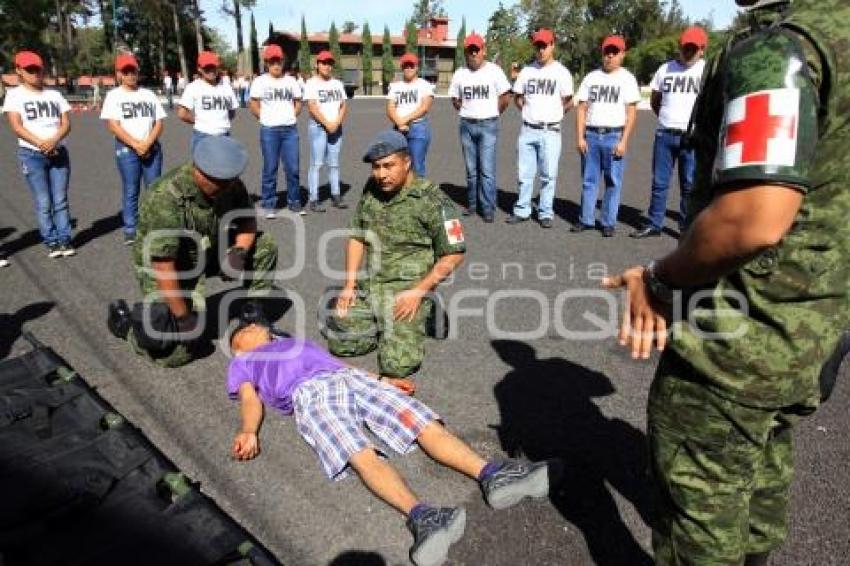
(489, 218)
(576, 228)
(545, 222)
(760, 559)
(466, 211)
(514, 219)
(647, 232)
(607, 231)
(118, 319)
(336, 200)
(434, 532)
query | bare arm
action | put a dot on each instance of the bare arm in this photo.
(155, 132)
(504, 101)
(297, 105)
(17, 125)
(567, 102)
(316, 114)
(423, 108)
(581, 119)
(168, 284)
(622, 146)
(254, 107)
(246, 234)
(246, 444)
(343, 114)
(519, 101)
(185, 114)
(64, 129)
(392, 114)
(354, 252)
(655, 101)
(456, 103)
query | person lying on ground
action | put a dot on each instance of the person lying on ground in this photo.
(334, 402)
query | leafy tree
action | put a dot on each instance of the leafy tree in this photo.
(333, 39)
(366, 62)
(304, 50)
(461, 37)
(387, 64)
(233, 8)
(271, 29)
(424, 10)
(255, 48)
(349, 27)
(411, 39)
(505, 43)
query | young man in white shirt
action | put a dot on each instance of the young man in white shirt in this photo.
(276, 102)
(408, 104)
(168, 88)
(480, 92)
(39, 118)
(544, 92)
(207, 103)
(326, 102)
(134, 116)
(675, 87)
(607, 108)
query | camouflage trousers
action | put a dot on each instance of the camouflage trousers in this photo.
(722, 471)
(369, 324)
(262, 260)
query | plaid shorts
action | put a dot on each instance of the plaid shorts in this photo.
(331, 407)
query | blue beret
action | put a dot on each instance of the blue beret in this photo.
(220, 157)
(385, 143)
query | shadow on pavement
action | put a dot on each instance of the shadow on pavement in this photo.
(98, 228)
(358, 558)
(23, 241)
(274, 309)
(11, 325)
(547, 412)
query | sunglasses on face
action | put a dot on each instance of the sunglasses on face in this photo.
(128, 71)
(473, 51)
(32, 69)
(209, 69)
(611, 51)
(408, 66)
(275, 61)
(326, 62)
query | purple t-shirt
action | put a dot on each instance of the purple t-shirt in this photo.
(277, 368)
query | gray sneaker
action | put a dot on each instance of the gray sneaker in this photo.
(515, 481)
(53, 251)
(314, 206)
(67, 250)
(337, 202)
(434, 532)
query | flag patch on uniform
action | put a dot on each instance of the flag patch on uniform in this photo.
(454, 231)
(761, 129)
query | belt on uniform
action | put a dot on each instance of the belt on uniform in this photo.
(674, 131)
(477, 120)
(553, 126)
(598, 130)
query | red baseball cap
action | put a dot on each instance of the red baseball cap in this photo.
(325, 56)
(126, 60)
(473, 40)
(543, 35)
(26, 59)
(695, 35)
(207, 58)
(614, 41)
(409, 59)
(272, 52)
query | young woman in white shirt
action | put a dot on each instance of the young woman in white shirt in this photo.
(408, 104)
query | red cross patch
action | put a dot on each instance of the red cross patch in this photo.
(761, 129)
(454, 231)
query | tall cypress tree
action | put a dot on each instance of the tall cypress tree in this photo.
(304, 50)
(333, 39)
(387, 64)
(271, 30)
(366, 63)
(461, 36)
(411, 39)
(255, 47)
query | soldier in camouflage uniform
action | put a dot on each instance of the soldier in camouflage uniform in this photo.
(194, 199)
(768, 240)
(414, 240)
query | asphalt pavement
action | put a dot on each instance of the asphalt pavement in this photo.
(522, 373)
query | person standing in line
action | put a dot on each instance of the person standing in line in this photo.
(408, 104)
(607, 108)
(181, 84)
(276, 102)
(675, 87)
(544, 92)
(135, 117)
(225, 78)
(207, 103)
(39, 118)
(480, 93)
(168, 88)
(326, 102)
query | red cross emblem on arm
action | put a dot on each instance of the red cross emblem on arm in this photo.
(454, 231)
(758, 127)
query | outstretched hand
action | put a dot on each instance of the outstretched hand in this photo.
(246, 446)
(644, 320)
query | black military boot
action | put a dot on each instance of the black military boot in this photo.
(761, 559)
(118, 319)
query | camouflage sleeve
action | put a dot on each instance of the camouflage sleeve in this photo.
(445, 227)
(161, 219)
(770, 128)
(242, 201)
(356, 226)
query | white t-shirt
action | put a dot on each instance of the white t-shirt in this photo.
(181, 83)
(679, 87)
(330, 94)
(166, 82)
(226, 80)
(41, 111)
(479, 90)
(543, 89)
(607, 95)
(277, 99)
(211, 105)
(136, 110)
(409, 95)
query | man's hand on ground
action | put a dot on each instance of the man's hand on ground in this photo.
(344, 301)
(246, 446)
(644, 321)
(407, 304)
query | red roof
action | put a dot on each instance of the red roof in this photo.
(357, 38)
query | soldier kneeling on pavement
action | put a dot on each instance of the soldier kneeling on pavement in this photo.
(414, 240)
(181, 226)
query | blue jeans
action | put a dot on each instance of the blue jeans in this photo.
(479, 141)
(418, 141)
(666, 151)
(279, 144)
(600, 156)
(537, 150)
(324, 148)
(198, 136)
(133, 169)
(47, 178)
